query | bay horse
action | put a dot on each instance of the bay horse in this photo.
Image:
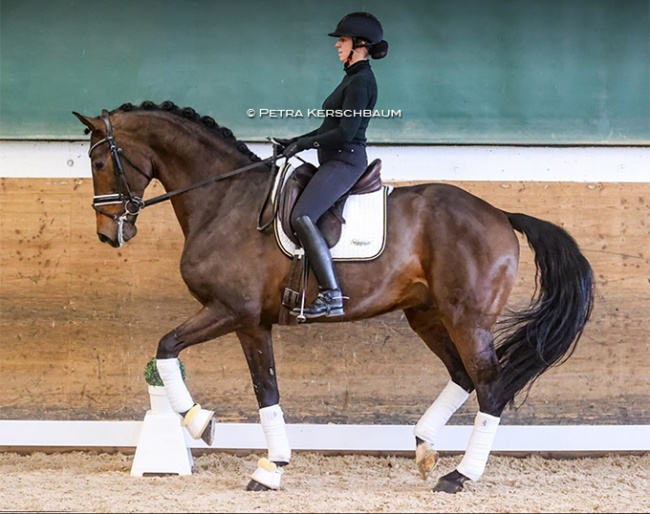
(449, 264)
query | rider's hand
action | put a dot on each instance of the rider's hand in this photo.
(283, 143)
(291, 150)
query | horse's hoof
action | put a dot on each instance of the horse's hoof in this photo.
(254, 485)
(426, 459)
(208, 433)
(451, 483)
(199, 423)
(267, 476)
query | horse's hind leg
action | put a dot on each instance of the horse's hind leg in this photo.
(428, 326)
(258, 349)
(475, 346)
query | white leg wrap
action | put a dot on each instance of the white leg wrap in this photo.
(170, 372)
(268, 474)
(449, 401)
(275, 430)
(479, 447)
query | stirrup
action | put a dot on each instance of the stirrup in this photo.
(328, 303)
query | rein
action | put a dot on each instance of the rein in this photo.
(133, 204)
(210, 180)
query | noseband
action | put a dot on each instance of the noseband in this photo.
(132, 204)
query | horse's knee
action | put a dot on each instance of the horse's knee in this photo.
(168, 346)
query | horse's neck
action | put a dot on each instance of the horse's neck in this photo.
(202, 205)
(189, 162)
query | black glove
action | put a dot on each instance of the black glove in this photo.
(291, 150)
(283, 143)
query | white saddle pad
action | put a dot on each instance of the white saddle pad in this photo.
(363, 235)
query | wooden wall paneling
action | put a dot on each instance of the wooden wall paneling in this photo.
(79, 320)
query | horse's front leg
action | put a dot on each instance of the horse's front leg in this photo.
(257, 345)
(204, 325)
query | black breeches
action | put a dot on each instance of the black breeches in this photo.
(338, 172)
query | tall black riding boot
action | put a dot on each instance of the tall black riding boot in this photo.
(330, 300)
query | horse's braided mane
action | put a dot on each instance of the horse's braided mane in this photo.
(191, 114)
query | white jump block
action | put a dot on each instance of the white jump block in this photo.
(162, 447)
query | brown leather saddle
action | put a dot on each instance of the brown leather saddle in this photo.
(330, 223)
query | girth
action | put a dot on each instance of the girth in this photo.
(330, 223)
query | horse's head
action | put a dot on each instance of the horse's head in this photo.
(120, 176)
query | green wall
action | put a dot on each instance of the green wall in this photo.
(459, 71)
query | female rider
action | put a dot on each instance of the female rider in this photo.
(341, 145)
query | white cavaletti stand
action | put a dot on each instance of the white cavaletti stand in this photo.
(161, 447)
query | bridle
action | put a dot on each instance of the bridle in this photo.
(133, 204)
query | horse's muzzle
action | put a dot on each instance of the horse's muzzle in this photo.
(116, 234)
(105, 239)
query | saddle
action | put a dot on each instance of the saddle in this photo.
(330, 223)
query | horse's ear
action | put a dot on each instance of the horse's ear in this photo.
(91, 123)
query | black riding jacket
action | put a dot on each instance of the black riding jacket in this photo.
(356, 92)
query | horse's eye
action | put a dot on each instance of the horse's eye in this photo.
(98, 165)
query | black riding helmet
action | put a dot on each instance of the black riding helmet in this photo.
(365, 30)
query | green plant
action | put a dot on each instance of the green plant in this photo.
(151, 375)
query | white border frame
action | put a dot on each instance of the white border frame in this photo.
(69, 159)
(342, 438)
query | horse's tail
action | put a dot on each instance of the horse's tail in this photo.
(545, 334)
